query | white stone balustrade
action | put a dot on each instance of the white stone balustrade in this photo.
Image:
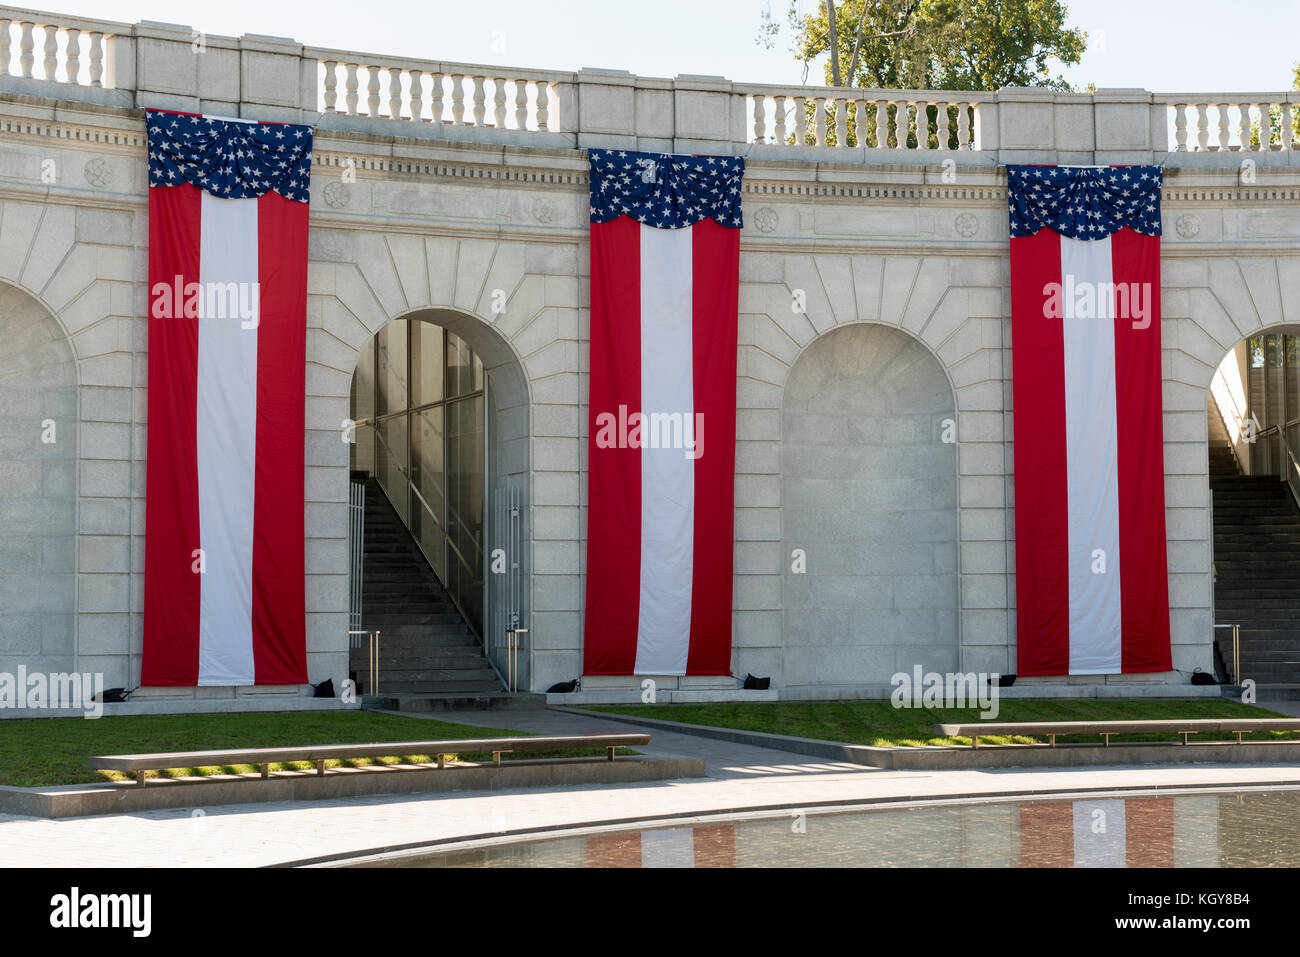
(271, 78)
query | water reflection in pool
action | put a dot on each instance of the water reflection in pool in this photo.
(1251, 829)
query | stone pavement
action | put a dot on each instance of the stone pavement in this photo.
(739, 776)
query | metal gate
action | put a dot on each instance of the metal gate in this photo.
(507, 638)
(356, 556)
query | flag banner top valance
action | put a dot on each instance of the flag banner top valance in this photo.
(1092, 590)
(225, 571)
(665, 281)
(665, 190)
(1084, 202)
(232, 159)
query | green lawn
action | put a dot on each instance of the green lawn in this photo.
(51, 751)
(879, 723)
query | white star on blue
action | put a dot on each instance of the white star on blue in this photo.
(230, 160)
(1082, 202)
(665, 190)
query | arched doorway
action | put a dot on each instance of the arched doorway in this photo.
(870, 496)
(1253, 419)
(440, 445)
(38, 480)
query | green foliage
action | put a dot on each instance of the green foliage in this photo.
(972, 45)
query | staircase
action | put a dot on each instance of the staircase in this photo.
(426, 649)
(1257, 564)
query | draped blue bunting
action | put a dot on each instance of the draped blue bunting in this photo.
(229, 159)
(1084, 202)
(666, 190)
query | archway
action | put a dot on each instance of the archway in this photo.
(1253, 425)
(38, 480)
(870, 495)
(441, 444)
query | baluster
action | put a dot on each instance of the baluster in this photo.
(350, 95)
(331, 87)
(942, 125)
(1287, 128)
(860, 124)
(499, 101)
(778, 104)
(800, 121)
(841, 122)
(1223, 126)
(963, 126)
(458, 99)
(372, 88)
(4, 45)
(394, 93)
(480, 101)
(435, 103)
(1202, 127)
(882, 124)
(902, 124)
(1243, 126)
(96, 58)
(51, 52)
(26, 45)
(1180, 127)
(543, 102)
(521, 104)
(1265, 126)
(819, 119)
(72, 67)
(417, 94)
(760, 122)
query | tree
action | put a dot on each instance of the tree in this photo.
(934, 44)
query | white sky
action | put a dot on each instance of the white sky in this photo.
(1161, 45)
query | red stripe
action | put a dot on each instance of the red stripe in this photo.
(613, 474)
(715, 846)
(1047, 831)
(279, 567)
(1144, 579)
(614, 850)
(1149, 832)
(171, 588)
(1042, 532)
(715, 281)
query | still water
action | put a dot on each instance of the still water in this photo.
(1250, 829)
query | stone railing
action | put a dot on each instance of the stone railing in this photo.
(176, 67)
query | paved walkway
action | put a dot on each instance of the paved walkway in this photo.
(739, 776)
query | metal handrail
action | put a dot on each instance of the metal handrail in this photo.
(354, 640)
(1236, 651)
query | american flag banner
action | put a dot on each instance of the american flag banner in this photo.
(665, 255)
(1092, 594)
(224, 590)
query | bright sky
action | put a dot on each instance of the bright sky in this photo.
(1161, 45)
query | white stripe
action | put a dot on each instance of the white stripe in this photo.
(672, 847)
(667, 475)
(1196, 830)
(1092, 460)
(1099, 834)
(227, 435)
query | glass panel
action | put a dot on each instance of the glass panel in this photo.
(426, 363)
(391, 342)
(428, 474)
(1292, 377)
(459, 372)
(362, 452)
(465, 506)
(390, 468)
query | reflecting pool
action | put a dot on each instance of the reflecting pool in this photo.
(1222, 829)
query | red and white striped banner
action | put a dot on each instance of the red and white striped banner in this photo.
(662, 445)
(224, 596)
(1092, 592)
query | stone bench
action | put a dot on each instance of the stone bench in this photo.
(1050, 729)
(318, 754)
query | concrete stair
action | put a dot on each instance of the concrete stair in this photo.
(426, 648)
(1257, 565)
